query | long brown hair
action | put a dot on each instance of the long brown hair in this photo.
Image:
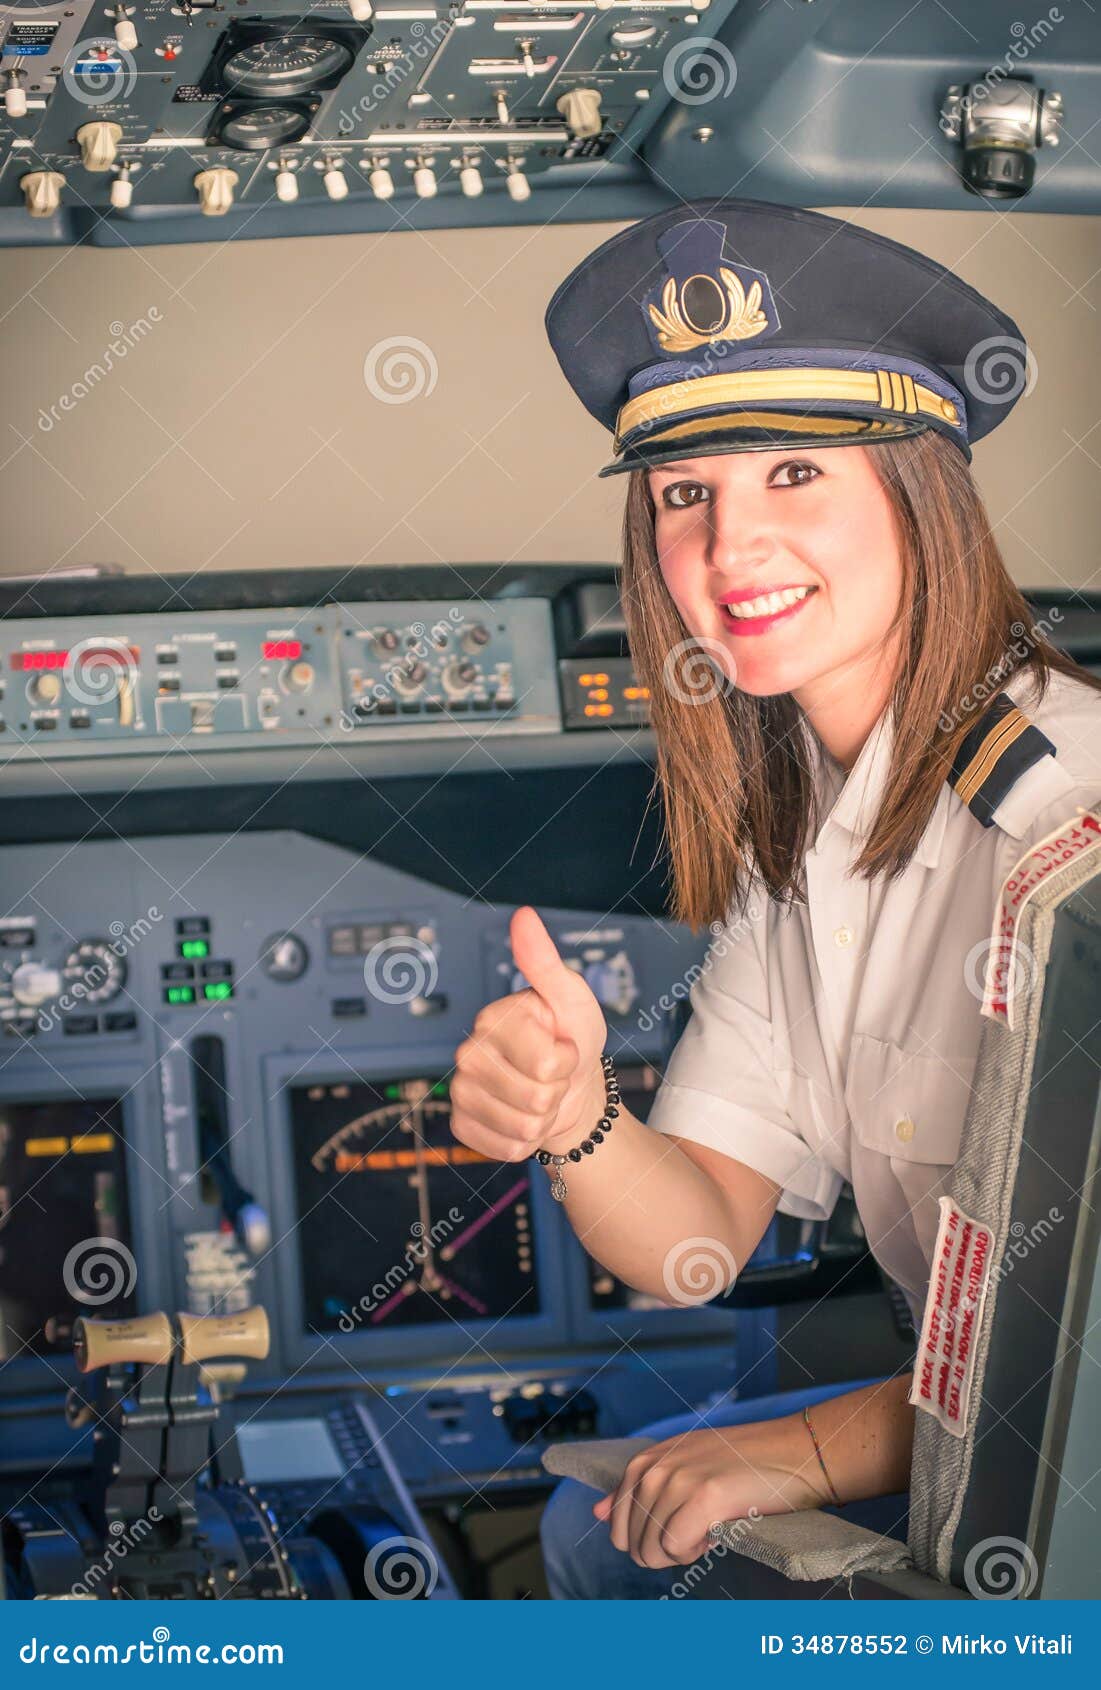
(735, 771)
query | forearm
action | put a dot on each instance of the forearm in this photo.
(866, 1438)
(651, 1217)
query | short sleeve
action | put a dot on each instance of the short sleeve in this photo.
(721, 1088)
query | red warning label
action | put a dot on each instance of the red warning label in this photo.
(1008, 973)
(945, 1362)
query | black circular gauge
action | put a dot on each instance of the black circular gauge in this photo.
(285, 64)
(253, 128)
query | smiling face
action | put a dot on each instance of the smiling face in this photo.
(802, 546)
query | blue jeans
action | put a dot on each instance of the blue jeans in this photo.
(582, 1563)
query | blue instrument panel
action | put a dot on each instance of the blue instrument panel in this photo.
(76, 687)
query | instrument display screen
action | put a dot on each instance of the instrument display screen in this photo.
(64, 1222)
(398, 1223)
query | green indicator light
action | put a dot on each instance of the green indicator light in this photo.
(180, 994)
(218, 989)
(393, 1091)
(195, 948)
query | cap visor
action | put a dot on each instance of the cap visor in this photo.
(757, 431)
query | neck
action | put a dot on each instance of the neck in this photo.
(844, 705)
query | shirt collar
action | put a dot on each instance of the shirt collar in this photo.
(856, 804)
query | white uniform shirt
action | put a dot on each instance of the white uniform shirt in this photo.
(837, 1041)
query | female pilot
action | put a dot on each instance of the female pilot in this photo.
(859, 733)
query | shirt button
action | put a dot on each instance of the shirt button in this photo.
(905, 1129)
(843, 937)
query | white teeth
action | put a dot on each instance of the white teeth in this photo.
(768, 604)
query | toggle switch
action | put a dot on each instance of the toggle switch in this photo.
(381, 183)
(336, 183)
(125, 33)
(15, 97)
(470, 181)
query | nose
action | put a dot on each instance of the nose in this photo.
(740, 536)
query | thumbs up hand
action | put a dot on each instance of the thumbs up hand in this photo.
(529, 1076)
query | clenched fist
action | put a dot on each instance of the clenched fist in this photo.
(529, 1076)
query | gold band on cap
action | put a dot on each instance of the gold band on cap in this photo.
(787, 422)
(883, 390)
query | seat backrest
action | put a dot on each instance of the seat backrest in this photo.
(1009, 1308)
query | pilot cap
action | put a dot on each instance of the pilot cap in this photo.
(738, 325)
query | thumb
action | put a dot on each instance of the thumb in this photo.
(536, 956)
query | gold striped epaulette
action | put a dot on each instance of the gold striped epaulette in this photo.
(993, 756)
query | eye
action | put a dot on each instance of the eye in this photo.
(684, 493)
(806, 472)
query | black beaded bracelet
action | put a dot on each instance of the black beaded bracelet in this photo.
(588, 1145)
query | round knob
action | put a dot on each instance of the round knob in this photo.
(470, 181)
(518, 186)
(99, 144)
(15, 99)
(381, 183)
(286, 186)
(284, 957)
(33, 983)
(122, 192)
(336, 183)
(361, 10)
(424, 181)
(408, 677)
(299, 677)
(215, 190)
(581, 110)
(45, 689)
(459, 675)
(42, 191)
(476, 637)
(385, 641)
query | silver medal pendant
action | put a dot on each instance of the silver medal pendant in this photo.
(558, 1188)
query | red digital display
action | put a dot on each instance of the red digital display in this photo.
(27, 660)
(282, 651)
(39, 659)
